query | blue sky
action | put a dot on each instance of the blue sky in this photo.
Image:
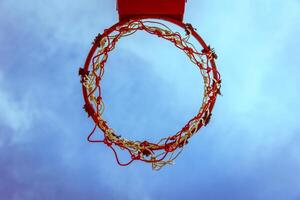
(250, 150)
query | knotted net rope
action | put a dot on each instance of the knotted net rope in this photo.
(167, 149)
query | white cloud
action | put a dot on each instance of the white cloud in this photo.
(17, 113)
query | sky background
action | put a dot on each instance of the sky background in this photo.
(250, 149)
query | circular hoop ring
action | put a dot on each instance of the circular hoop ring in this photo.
(146, 151)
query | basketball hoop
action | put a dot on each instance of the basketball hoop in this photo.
(151, 21)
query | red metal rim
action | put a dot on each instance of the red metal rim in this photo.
(108, 31)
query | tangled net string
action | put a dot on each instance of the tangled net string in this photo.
(166, 150)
